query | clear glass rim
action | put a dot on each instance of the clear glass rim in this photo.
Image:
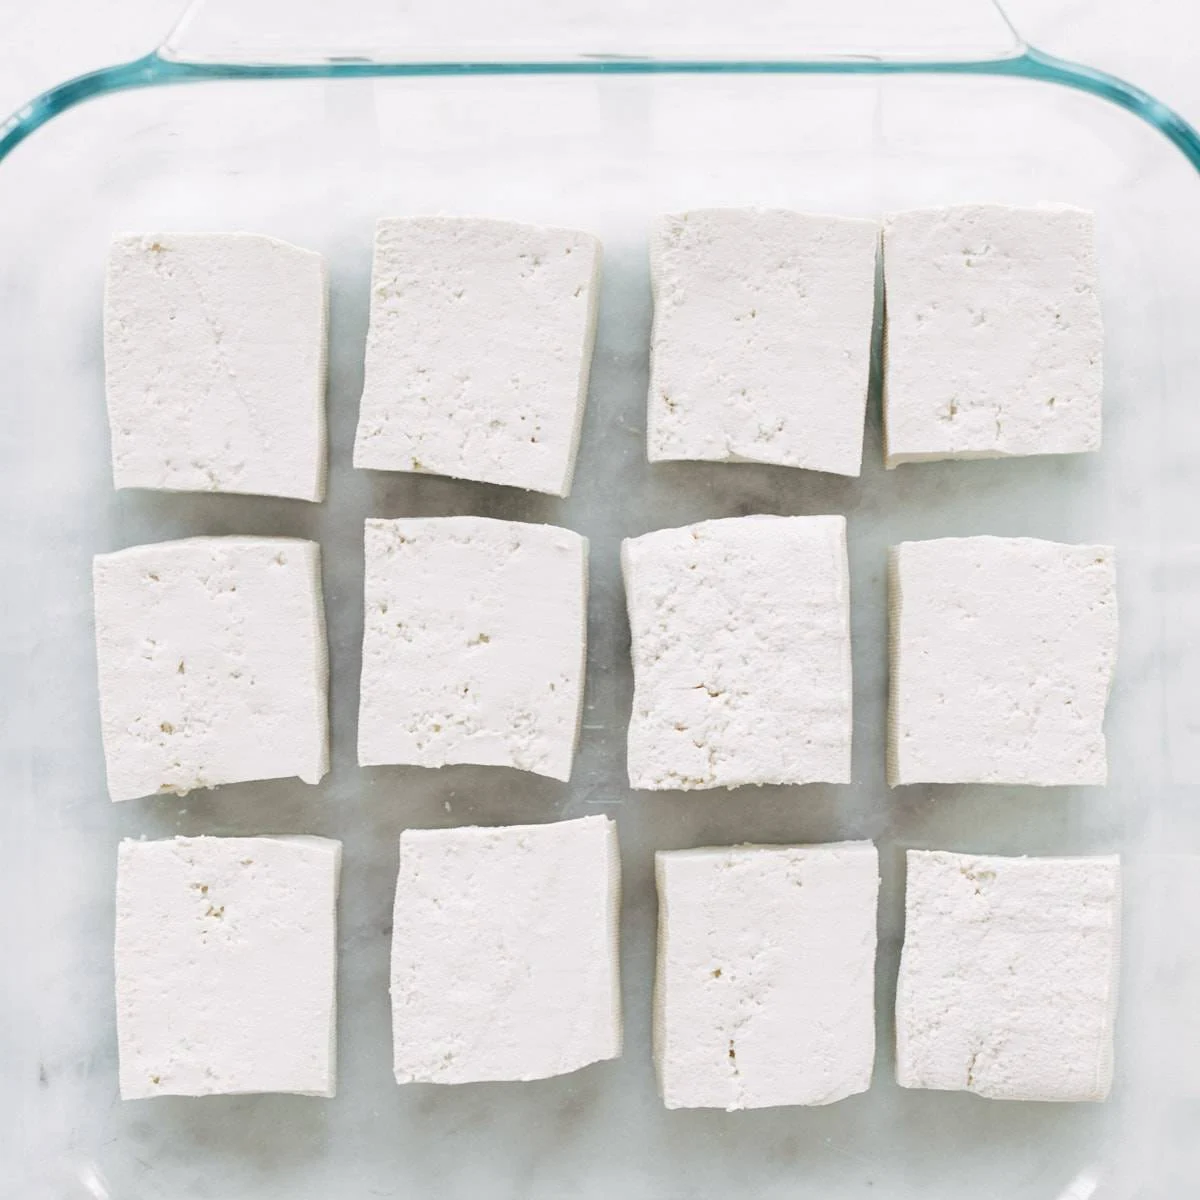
(166, 66)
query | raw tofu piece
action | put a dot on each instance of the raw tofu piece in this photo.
(765, 993)
(1002, 653)
(214, 364)
(762, 337)
(504, 951)
(212, 663)
(226, 964)
(478, 351)
(474, 644)
(741, 653)
(1008, 977)
(993, 341)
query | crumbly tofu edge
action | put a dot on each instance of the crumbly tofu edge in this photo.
(894, 613)
(322, 480)
(585, 583)
(321, 641)
(585, 368)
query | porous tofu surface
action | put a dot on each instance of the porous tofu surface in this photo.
(479, 350)
(212, 663)
(765, 992)
(741, 653)
(993, 338)
(1008, 976)
(215, 348)
(504, 951)
(474, 644)
(761, 344)
(226, 965)
(1002, 657)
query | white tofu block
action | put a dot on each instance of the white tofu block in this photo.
(226, 965)
(1008, 977)
(474, 644)
(741, 653)
(993, 339)
(762, 337)
(478, 351)
(212, 663)
(1002, 657)
(765, 992)
(214, 364)
(504, 951)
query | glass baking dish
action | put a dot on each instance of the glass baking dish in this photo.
(313, 148)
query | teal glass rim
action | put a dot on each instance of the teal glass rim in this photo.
(160, 69)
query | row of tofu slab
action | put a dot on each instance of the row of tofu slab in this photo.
(505, 966)
(481, 336)
(213, 663)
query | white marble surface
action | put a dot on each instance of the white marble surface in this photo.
(317, 163)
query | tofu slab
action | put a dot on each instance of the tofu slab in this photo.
(479, 349)
(214, 364)
(474, 644)
(226, 965)
(741, 653)
(765, 993)
(993, 340)
(1002, 657)
(212, 663)
(1008, 977)
(504, 951)
(762, 337)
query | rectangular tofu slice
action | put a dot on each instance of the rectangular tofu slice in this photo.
(1008, 977)
(993, 341)
(474, 644)
(1002, 657)
(741, 653)
(762, 337)
(479, 349)
(214, 364)
(212, 663)
(765, 992)
(504, 951)
(226, 965)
